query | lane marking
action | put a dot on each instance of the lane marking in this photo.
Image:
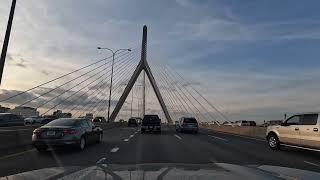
(311, 163)
(126, 140)
(131, 136)
(16, 154)
(298, 147)
(218, 138)
(237, 135)
(177, 136)
(113, 150)
(101, 160)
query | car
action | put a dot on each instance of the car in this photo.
(227, 123)
(99, 119)
(76, 132)
(32, 120)
(252, 123)
(188, 124)
(151, 123)
(132, 122)
(242, 123)
(47, 119)
(298, 131)
(8, 119)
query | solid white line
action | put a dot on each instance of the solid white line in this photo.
(126, 140)
(218, 138)
(237, 135)
(113, 150)
(300, 147)
(177, 136)
(314, 164)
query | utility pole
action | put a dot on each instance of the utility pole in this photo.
(6, 39)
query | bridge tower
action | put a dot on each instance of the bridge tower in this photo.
(142, 66)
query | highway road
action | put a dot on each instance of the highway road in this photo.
(124, 145)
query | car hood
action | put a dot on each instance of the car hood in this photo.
(167, 171)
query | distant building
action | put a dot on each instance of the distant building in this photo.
(4, 109)
(60, 114)
(25, 111)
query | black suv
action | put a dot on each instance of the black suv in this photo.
(132, 122)
(151, 123)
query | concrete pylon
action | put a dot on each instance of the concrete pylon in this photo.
(143, 65)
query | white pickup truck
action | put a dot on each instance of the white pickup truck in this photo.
(298, 131)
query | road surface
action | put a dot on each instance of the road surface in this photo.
(124, 145)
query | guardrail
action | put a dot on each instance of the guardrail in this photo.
(252, 131)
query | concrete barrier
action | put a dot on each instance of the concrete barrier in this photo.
(252, 131)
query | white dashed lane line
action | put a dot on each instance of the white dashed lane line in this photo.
(215, 137)
(131, 136)
(177, 136)
(311, 163)
(126, 140)
(113, 150)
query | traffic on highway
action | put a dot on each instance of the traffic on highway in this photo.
(170, 89)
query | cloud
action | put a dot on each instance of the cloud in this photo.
(220, 29)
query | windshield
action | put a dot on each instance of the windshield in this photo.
(190, 120)
(163, 82)
(63, 122)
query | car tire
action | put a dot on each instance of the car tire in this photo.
(273, 142)
(196, 132)
(82, 143)
(42, 148)
(142, 131)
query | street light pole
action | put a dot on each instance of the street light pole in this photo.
(6, 38)
(111, 79)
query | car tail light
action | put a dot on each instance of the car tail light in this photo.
(70, 131)
(36, 131)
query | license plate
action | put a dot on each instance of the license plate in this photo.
(51, 133)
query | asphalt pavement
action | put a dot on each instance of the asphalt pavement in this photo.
(125, 145)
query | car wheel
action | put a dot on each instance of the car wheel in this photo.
(273, 142)
(42, 148)
(100, 138)
(82, 143)
(196, 132)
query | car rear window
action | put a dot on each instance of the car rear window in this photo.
(190, 120)
(63, 122)
(309, 119)
(151, 118)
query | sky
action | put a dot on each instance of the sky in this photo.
(254, 60)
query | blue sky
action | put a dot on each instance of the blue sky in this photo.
(255, 59)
